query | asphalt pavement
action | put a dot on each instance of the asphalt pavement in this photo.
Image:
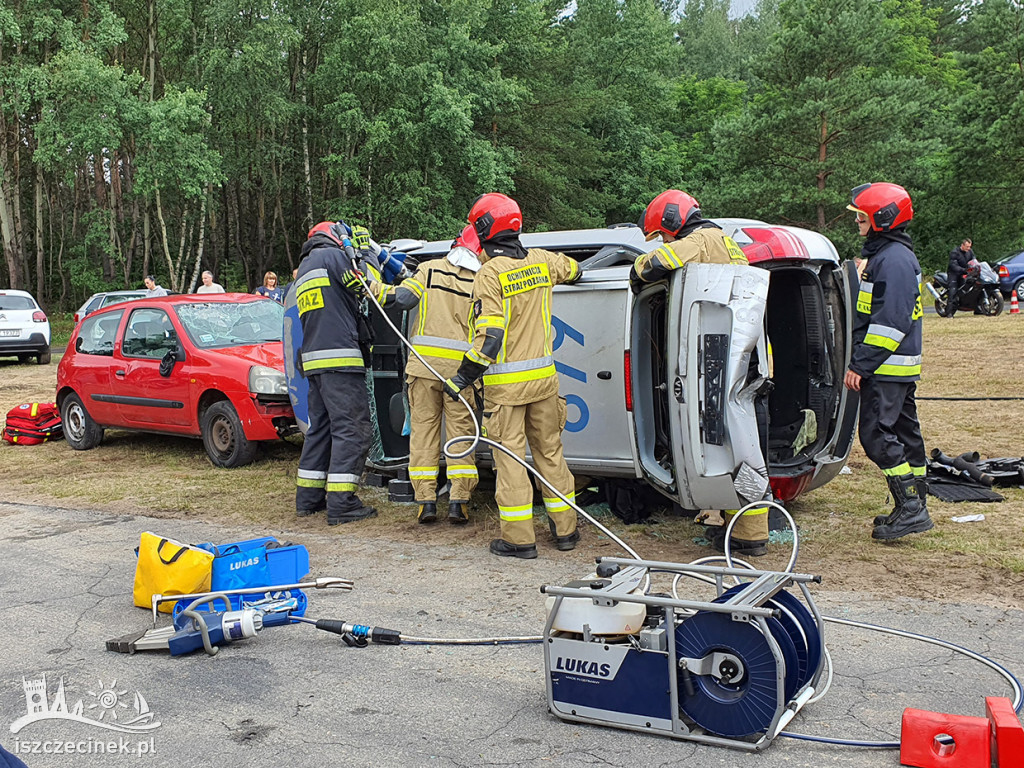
(299, 697)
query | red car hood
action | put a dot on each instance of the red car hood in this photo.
(270, 354)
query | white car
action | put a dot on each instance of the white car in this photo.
(24, 327)
(657, 383)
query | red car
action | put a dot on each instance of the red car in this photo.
(209, 366)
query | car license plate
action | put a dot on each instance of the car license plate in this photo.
(10, 332)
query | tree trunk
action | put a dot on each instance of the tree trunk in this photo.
(199, 245)
(40, 283)
(145, 242)
(163, 239)
(822, 173)
(305, 148)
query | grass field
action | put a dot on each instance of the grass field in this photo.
(966, 356)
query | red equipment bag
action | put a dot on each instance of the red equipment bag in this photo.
(32, 424)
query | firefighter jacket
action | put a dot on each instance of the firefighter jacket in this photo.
(439, 297)
(512, 334)
(706, 244)
(887, 325)
(334, 332)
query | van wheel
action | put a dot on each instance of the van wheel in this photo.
(224, 439)
(81, 432)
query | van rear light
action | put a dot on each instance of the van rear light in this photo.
(38, 316)
(627, 370)
(788, 488)
(1003, 271)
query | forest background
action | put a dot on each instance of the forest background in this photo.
(171, 136)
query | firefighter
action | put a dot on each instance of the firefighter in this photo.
(440, 297)
(511, 349)
(886, 361)
(688, 237)
(335, 344)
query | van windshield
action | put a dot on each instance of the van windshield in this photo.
(222, 324)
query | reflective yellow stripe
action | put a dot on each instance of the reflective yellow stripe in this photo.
(522, 512)
(423, 471)
(447, 354)
(332, 362)
(341, 487)
(34, 410)
(305, 482)
(556, 504)
(490, 321)
(882, 341)
(919, 471)
(316, 282)
(897, 471)
(752, 511)
(864, 302)
(887, 369)
(670, 256)
(475, 357)
(520, 376)
(462, 472)
(415, 286)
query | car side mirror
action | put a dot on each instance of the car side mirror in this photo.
(171, 356)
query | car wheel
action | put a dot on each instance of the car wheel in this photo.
(1018, 288)
(43, 358)
(81, 432)
(224, 439)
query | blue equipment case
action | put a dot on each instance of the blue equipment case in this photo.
(288, 564)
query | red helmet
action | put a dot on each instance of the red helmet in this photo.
(668, 213)
(887, 206)
(468, 239)
(495, 213)
(333, 229)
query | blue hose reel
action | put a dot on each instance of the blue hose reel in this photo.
(732, 671)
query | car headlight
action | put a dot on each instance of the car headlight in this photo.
(267, 381)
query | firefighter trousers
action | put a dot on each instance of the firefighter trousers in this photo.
(540, 424)
(889, 429)
(336, 444)
(427, 404)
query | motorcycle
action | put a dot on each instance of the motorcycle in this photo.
(979, 291)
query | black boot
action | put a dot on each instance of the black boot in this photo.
(910, 515)
(457, 513)
(362, 513)
(563, 543)
(502, 548)
(922, 493)
(427, 513)
(740, 547)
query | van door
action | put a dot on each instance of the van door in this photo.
(716, 320)
(833, 456)
(589, 322)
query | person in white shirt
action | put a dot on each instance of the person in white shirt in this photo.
(208, 285)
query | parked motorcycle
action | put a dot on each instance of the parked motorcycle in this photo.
(979, 291)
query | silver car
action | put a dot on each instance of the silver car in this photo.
(660, 385)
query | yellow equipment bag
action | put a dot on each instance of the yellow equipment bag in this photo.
(168, 567)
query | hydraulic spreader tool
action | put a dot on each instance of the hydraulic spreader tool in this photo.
(732, 671)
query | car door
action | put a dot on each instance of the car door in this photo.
(93, 362)
(718, 310)
(145, 398)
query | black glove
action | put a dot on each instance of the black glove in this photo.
(455, 385)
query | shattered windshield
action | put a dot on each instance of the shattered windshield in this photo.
(222, 324)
